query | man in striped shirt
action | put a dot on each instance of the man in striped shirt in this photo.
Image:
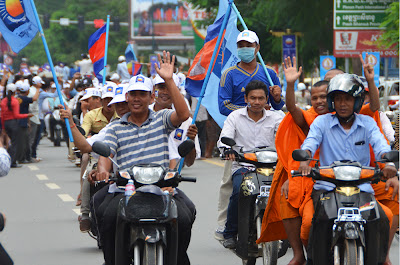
(141, 136)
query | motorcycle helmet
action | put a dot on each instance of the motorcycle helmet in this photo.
(350, 84)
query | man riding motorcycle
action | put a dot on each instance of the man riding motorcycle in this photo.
(245, 126)
(132, 138)
(355, 133)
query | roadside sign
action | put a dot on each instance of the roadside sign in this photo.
(359, 14)
(326, 63)
(350, 43)
(64, 21)
(289, 46)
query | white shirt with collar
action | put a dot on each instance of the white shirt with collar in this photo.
(249, 134)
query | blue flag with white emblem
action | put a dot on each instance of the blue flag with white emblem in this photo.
(17, 23)
(227, 57)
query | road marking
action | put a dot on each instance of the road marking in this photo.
(52, 186)
(77, 211)
(220, 164)
(33, 168)
(42, 177)
(66, 197)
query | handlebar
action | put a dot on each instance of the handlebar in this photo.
(189, 179)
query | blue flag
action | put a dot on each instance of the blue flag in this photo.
(227, 57)
(17, 23)
(130, 54)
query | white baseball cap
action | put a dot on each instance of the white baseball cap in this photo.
(108, 90)
(119, 95)
(121, 58)
(91, 92)
(114, 76)
(301, 87)
(141, 83)
(19, 84)
(24, 87)
(249, 36)
(37, 80)
(158, 80)
(11, 87)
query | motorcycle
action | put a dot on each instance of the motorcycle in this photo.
(253, 199)
(349, 208)
(147, 226)
(57, 125)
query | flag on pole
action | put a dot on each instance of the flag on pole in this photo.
(227, 57)
(17, 23)
(97, 46)
(134, 68)
(130, 54)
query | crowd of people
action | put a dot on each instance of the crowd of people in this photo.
(160, 109)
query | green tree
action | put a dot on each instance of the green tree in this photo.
(66, 43)
(391, 23)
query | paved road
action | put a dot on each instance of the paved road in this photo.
(42, 227)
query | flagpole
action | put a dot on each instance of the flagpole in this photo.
(106, 50)
(210, 66)
(258, 53)
(46, 48)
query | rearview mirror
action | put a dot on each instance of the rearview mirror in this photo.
(81, 130)
(300, 155)
(186, 147)
(101, 149)
(391, 156)
(228, 141)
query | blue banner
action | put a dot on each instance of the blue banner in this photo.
(288, 46)
(326, 63)
(374, 60)
(17, 23)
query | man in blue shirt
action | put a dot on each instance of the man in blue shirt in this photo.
(235, 79)
(346, 135)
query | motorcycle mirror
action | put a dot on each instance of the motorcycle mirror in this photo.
(228, 141)
(392, 156)
(101, 148)
(186, 147)
(300, 155)
(81, 130)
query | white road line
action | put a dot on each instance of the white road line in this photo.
(77, 211)
(33, 168)
(42, 177)
(66, 197)
(53, 186)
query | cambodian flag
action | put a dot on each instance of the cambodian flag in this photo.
(227, 57)
(17, 23)
(97, 46)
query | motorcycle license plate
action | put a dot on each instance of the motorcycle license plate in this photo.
(264, 190)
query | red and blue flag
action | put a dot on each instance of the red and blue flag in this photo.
(227, 57)
(97, 47)
(17, 23)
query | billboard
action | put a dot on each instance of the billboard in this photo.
(350, 43)
(326, 63)
(289, 46)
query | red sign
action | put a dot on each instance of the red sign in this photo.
(350, 43)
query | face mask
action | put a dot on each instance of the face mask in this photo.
(246, 54)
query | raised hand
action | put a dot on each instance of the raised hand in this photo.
(290, 70)
(167, 67)
(368, 68)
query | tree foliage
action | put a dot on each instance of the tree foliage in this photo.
(391, 23)
(66, 43)
(314, 19)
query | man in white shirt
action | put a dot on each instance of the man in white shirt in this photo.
(250, 127)
(163, 100)
(122, 69)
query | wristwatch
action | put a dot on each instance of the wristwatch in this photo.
(390, 164)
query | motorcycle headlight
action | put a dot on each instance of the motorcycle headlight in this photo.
(347, 173)
(147, 175)
(266, 156)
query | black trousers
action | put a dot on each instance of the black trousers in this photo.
(108, 210)
(23, 143)
(12, 127)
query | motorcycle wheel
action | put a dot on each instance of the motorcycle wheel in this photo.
(250, 261)
(57, 138)
(149, 254)
(270, 253)
(352, 254)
